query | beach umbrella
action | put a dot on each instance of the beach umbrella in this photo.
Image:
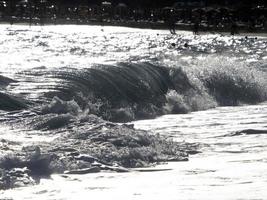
(210, 10)
(226, 9)
(179, 4)
(23, 2)
(122, 5)
(106, 3)
(197, 10)
(168, 8)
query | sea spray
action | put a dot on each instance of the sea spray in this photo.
(231, 82)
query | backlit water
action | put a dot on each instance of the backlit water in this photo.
(230, 165)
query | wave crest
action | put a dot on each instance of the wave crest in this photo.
(129, 91)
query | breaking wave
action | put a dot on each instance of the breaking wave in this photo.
(128, 91)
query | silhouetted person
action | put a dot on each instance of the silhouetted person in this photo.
(251, 24)
(171, 24)
(234, 28)
(196, 27)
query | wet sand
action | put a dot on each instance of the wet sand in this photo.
(148, 25)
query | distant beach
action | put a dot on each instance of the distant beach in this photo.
(160, 25)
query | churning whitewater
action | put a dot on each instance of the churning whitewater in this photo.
(96, 100)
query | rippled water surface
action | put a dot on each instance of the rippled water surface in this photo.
(232, 140)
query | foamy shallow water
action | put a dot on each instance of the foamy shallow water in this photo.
(229, 167)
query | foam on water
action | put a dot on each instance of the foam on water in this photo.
(227, 168)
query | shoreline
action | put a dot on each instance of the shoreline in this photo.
(145, 25)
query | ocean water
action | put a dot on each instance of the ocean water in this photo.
(209, 90)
